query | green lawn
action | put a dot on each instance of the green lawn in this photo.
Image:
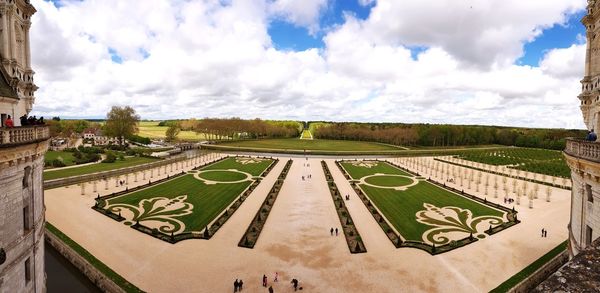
(207, 200)
(311, 145)
(98, 167)
(306, 134)
(249, 165)
(388, 181)
(223, 176)
(400, 207)
(541, 161)
(67, 157)
(357, 171)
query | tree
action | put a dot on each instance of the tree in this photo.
(121, 122)
(172, 132)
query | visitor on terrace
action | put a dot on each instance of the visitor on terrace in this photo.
(8, 123)
(591, 136)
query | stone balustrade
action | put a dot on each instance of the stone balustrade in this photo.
(23, 135)
(582, 149)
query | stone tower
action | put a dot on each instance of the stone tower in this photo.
(22, 151)
(583, 157)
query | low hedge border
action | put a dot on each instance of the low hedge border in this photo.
(397, 240)
(206, 233)
(255, 228)
(98, 264)
(353, 239)
(505, 175)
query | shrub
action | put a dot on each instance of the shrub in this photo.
(110, 158)
(57, 163)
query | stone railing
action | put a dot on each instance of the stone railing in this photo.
(583, 149)
(23, 135)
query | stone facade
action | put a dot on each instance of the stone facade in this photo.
(22, 218)
(21, 158)
(584, 157)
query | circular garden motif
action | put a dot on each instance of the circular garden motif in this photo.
(223, 175)
(388, 180)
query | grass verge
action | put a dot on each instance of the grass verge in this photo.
(530, 269)
(104, 269)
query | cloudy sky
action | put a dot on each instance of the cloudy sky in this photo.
(509, 62)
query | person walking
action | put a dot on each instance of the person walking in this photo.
(240, 285)
(295, 284)
(236, 285)
(336, 232)
(271, 289)
(264, 281)
(8, 123)
(542, 232)
(276, 276)
(331, 231)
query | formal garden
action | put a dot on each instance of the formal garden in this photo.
(548, 162)
(415, 212)
(191, 205)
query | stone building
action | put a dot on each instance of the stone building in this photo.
(22, 151)
(583, 156)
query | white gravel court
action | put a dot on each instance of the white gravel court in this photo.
(296, 243)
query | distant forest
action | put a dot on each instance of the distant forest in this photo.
(445, 135)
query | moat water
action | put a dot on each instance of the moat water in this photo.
(62, 276)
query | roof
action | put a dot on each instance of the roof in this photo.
(581, 274)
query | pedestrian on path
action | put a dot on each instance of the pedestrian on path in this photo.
(331, 231)
(236, 285)
(271, 289)
(295, 284)
(264, 281)
(336, 232)
(241, 285)
(276, 276)
(542, 232)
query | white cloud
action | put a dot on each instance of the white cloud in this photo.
(206, 58)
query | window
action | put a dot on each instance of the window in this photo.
(27, 270)
(588, 192)
(26, 176)
(588, 235)
(26, 222)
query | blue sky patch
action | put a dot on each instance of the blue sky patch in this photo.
(558, 36)
(114, 56)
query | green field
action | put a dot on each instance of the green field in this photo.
(186, 203)
(66, 157)
(223, 176)
(424, 212)
(311, 145)
(151, 129)
(388, 181)
(306, 134)
(98, 167)
(540, 161)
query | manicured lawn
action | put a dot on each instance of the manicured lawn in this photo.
(207, 200)
(152, 130)
(540, 161)
(223, 176)
(67, 157)
(401, 207)
(311, 145)
(306, 134)
(98, 167)
(357, 171)
(244, 164)
(388, 181)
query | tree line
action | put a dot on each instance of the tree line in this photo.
(445, 135)
(236, 128)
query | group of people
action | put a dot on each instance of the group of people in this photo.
(347, 196)
(25, 121)
(332, 230)
(544, 233)
(508, 200)
(237, 285)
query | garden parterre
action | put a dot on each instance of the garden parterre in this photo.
(423, 212)
(189, 203)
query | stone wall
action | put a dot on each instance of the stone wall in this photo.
(98, 278)
(22, 218)
(541, 274)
